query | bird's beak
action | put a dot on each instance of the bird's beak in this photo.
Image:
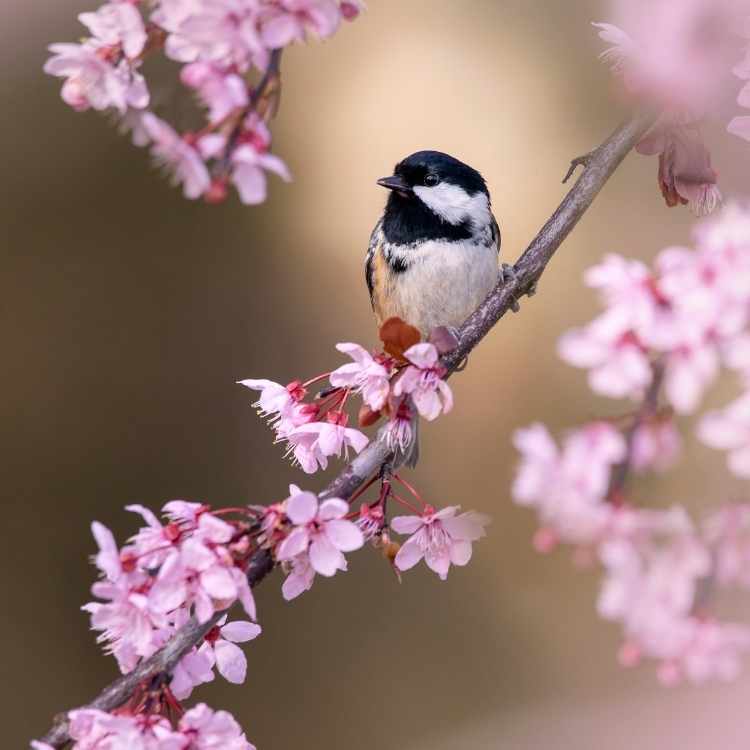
(397, 184)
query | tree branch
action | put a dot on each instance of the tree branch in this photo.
(600, 164)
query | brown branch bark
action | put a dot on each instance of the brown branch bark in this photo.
(599, 166)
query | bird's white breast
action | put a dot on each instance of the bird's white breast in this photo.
(445, 282)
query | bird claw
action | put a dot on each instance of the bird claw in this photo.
(509, 275)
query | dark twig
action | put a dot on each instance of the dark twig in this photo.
(601, 163)
(648, 409)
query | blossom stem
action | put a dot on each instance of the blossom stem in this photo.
(410, 488)
(405, 503)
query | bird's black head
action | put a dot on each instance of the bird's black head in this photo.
(435, 196)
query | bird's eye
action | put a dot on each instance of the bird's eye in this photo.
(431, 180)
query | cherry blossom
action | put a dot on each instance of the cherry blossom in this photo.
(301, 575)
(423, 381)
(727, 533)
(249, 172)
(200, 728)
(289, 20)
(229, 51)
(568, 487)
(220, 92)
(440, 537)
(202, 573)
(313, 443)
(211, 730)
(367, 375)
(679, 57)
(218, 650)
(177, 156)
(729, 429)
(664, 51)
(400, 430)
(276, 401)
(117, 23)
(92, 81)
(656, 445)
(320, 530)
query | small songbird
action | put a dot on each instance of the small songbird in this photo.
(433, 255)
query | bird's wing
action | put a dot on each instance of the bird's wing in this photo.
(376, 238)
(495, 230)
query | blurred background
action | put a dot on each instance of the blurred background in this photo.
(127, 313)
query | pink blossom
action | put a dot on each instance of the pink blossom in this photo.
(177, 156)
(321, 531)
(301, 576)
(314, 442)
(200, 728)
(93, 729)
(218, 650)
(220, 92)
(677, 54)
(651, 588)
(117, 23)
(184, 512)
(689, 371)
(276, 401)
(401, 428)
(195, 668)
(440, 537)
(127, 622)
(223, 32)
(568, 488)
(92, 81)
(656, 445)
(423, 381)
(365, 375)
(729, 430)
(288, 20)
(212, 730)
(202, 573)
(727, 532)
(617, 367)
(249, 172)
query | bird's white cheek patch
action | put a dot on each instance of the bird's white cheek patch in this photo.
(453, 204)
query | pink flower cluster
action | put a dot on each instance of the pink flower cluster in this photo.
(691, 313)
(200, 728)
(663, 335)
(195, 564)
(682, 57)
(219, 44)
(402, 388)
(657, 567)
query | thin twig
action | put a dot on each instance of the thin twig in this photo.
(648, 408)
(601, 164)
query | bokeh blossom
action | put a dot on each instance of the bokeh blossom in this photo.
(661, 341)
(682, 58)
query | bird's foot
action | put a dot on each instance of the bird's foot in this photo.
(508, 275)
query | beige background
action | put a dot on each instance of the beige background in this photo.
(127, 313)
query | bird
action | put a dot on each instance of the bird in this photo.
(433, 255)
